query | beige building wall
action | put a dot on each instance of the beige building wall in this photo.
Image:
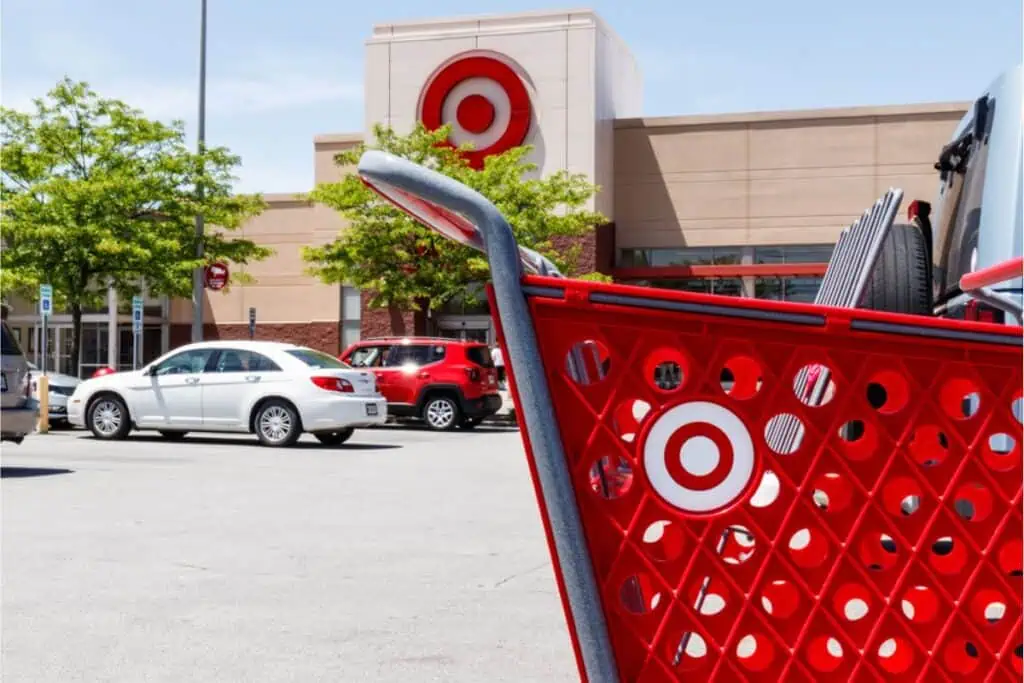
(282, 292)
(579, 74)
(794, 177)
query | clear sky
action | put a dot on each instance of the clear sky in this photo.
(282, 71)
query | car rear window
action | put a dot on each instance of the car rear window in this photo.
(405, 355)
(10, 344)
(318, 359)
(481, 355)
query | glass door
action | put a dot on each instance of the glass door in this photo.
(467, 327)
(57, 348)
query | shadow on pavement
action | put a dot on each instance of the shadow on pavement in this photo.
(23, 472)
(414, 426)
(242, 441)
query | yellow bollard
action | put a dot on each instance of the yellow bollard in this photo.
(44, 404)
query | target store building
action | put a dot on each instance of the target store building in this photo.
(745, 204)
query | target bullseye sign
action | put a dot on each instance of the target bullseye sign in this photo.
(485, 102)
(698, 457)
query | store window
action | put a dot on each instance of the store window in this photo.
(694, 256)
(800, 289)
(793, 253)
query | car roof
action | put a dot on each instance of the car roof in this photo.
(418, 340)
(244, 345)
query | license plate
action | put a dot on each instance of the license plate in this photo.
(371, 409)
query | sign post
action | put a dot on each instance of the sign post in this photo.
(43, 384)
(136, 329)
(45, 310)
(252, 322)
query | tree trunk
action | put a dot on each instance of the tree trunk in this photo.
(76, 339)
(398, 327)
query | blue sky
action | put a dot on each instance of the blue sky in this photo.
(277, 77)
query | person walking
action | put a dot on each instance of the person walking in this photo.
(499, 364)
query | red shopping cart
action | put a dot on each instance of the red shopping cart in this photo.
(879, 541)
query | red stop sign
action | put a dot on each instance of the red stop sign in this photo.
(217, 276)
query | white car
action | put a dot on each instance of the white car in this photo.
(61, 388)
(276, 390)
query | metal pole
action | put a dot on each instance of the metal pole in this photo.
(113, 335)
(197, 274)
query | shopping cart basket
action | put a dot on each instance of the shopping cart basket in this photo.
(684, 546)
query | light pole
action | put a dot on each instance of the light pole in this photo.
(198, 275)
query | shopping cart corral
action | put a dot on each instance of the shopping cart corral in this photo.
(880, 541)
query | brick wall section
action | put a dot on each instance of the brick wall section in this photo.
(322, 336)
(382, 322)
(597, 254)
(598, 249)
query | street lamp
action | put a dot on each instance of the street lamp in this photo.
(198, 275)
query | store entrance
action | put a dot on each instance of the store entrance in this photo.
(57, 348)
(468, 327)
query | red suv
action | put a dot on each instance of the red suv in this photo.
(448, 383)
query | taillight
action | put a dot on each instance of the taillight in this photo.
(474, 374)
(333, 384)
(981, 313)
(917, 209)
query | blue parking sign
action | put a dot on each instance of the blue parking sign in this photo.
(136, 314)
(45, 300)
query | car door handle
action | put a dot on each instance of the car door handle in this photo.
(252, 378)
(192, 380)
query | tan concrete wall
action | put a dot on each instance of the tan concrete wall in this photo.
(282, 292)
(770, 178)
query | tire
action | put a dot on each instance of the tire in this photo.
(901, 282)
(108, 419)
(441, 413)
(277, 424)
(335, 438)
(173, 436)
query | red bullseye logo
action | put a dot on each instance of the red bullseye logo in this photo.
(699, 457)
(485, 102)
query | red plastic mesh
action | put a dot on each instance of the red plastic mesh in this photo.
(885, 547)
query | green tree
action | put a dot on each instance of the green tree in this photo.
(94, 194)
(406, 265)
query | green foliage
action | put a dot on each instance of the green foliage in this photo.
(94, 193)
(406, 264)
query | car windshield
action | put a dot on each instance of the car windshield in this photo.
(318, 359)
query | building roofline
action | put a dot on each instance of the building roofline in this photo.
(338, 138)
(795, 115)
(515, 22)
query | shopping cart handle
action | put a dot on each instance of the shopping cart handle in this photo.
(993, 275)
(448, 207)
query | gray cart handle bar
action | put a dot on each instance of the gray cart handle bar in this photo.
(464, 215)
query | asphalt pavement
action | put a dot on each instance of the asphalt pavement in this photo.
(402, 556)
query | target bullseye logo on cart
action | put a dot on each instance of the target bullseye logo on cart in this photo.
(484, 100)
(699, 457)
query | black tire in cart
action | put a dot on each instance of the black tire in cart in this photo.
(902, 281)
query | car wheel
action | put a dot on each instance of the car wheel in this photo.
(108, 418)
(277, 424)
(173, 436)
(441, 413)
(901, 281)
(335, 438)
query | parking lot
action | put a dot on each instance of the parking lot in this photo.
(404, 555)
